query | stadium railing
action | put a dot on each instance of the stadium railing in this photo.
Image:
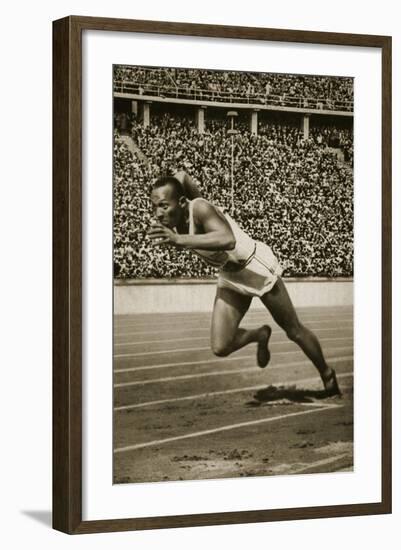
(198, 94)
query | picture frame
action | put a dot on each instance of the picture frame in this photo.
(68, 294)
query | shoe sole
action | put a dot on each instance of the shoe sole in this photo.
(263, 353)
(335, 390)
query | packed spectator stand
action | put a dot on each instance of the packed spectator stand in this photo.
(292, 193)
(274, 89)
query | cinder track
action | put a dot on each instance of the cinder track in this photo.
(182, 413)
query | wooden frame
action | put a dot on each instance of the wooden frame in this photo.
(67, 278)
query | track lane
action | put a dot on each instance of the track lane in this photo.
(247, 393)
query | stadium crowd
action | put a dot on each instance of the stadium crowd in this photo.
(322, 92)
(294, 194)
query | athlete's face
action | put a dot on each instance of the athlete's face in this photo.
(168, 210)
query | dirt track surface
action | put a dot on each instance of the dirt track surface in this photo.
(182, 413)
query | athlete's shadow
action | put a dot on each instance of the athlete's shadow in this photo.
(285, 393)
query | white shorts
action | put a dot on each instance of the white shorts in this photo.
(255, 279)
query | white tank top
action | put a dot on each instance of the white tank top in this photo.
(239, 255)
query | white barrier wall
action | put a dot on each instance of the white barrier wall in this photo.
(173, 296)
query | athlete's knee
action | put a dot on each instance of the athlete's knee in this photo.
(221, 349)
(295, 333)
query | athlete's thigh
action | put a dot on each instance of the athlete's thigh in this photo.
(279, 303)
(229, 308)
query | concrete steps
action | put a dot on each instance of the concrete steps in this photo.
(133, 148)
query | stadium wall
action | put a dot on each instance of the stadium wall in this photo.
(228, 105)
(161, 296)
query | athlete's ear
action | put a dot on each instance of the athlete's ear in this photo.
(182, 201)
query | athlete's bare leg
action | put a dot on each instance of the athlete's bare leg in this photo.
(226, 336)
(282, 310)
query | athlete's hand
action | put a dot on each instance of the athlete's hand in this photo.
(160, 235)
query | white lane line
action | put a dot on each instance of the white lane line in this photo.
(223, 392)
(303, 310)
(206, 320)
(215, 360)
(194, 329)
(171, 331)
(190, 338)
(220, 373)
(169, 318)
(159, 341)
(160, 352)
(184, 377)
(167, 365)
(222, 429)
(207, 348)
(316, 464)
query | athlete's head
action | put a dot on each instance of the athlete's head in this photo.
(168, 201)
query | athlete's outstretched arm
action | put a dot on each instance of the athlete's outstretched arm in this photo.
(217, 234)
(189, 185)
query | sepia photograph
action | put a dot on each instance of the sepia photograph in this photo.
(233, 255)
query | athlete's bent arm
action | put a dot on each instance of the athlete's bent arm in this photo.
(217, 234)
(189, 185)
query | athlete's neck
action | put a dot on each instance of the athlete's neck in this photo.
(183, 225)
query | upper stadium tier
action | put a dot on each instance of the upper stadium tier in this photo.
(266, 90)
